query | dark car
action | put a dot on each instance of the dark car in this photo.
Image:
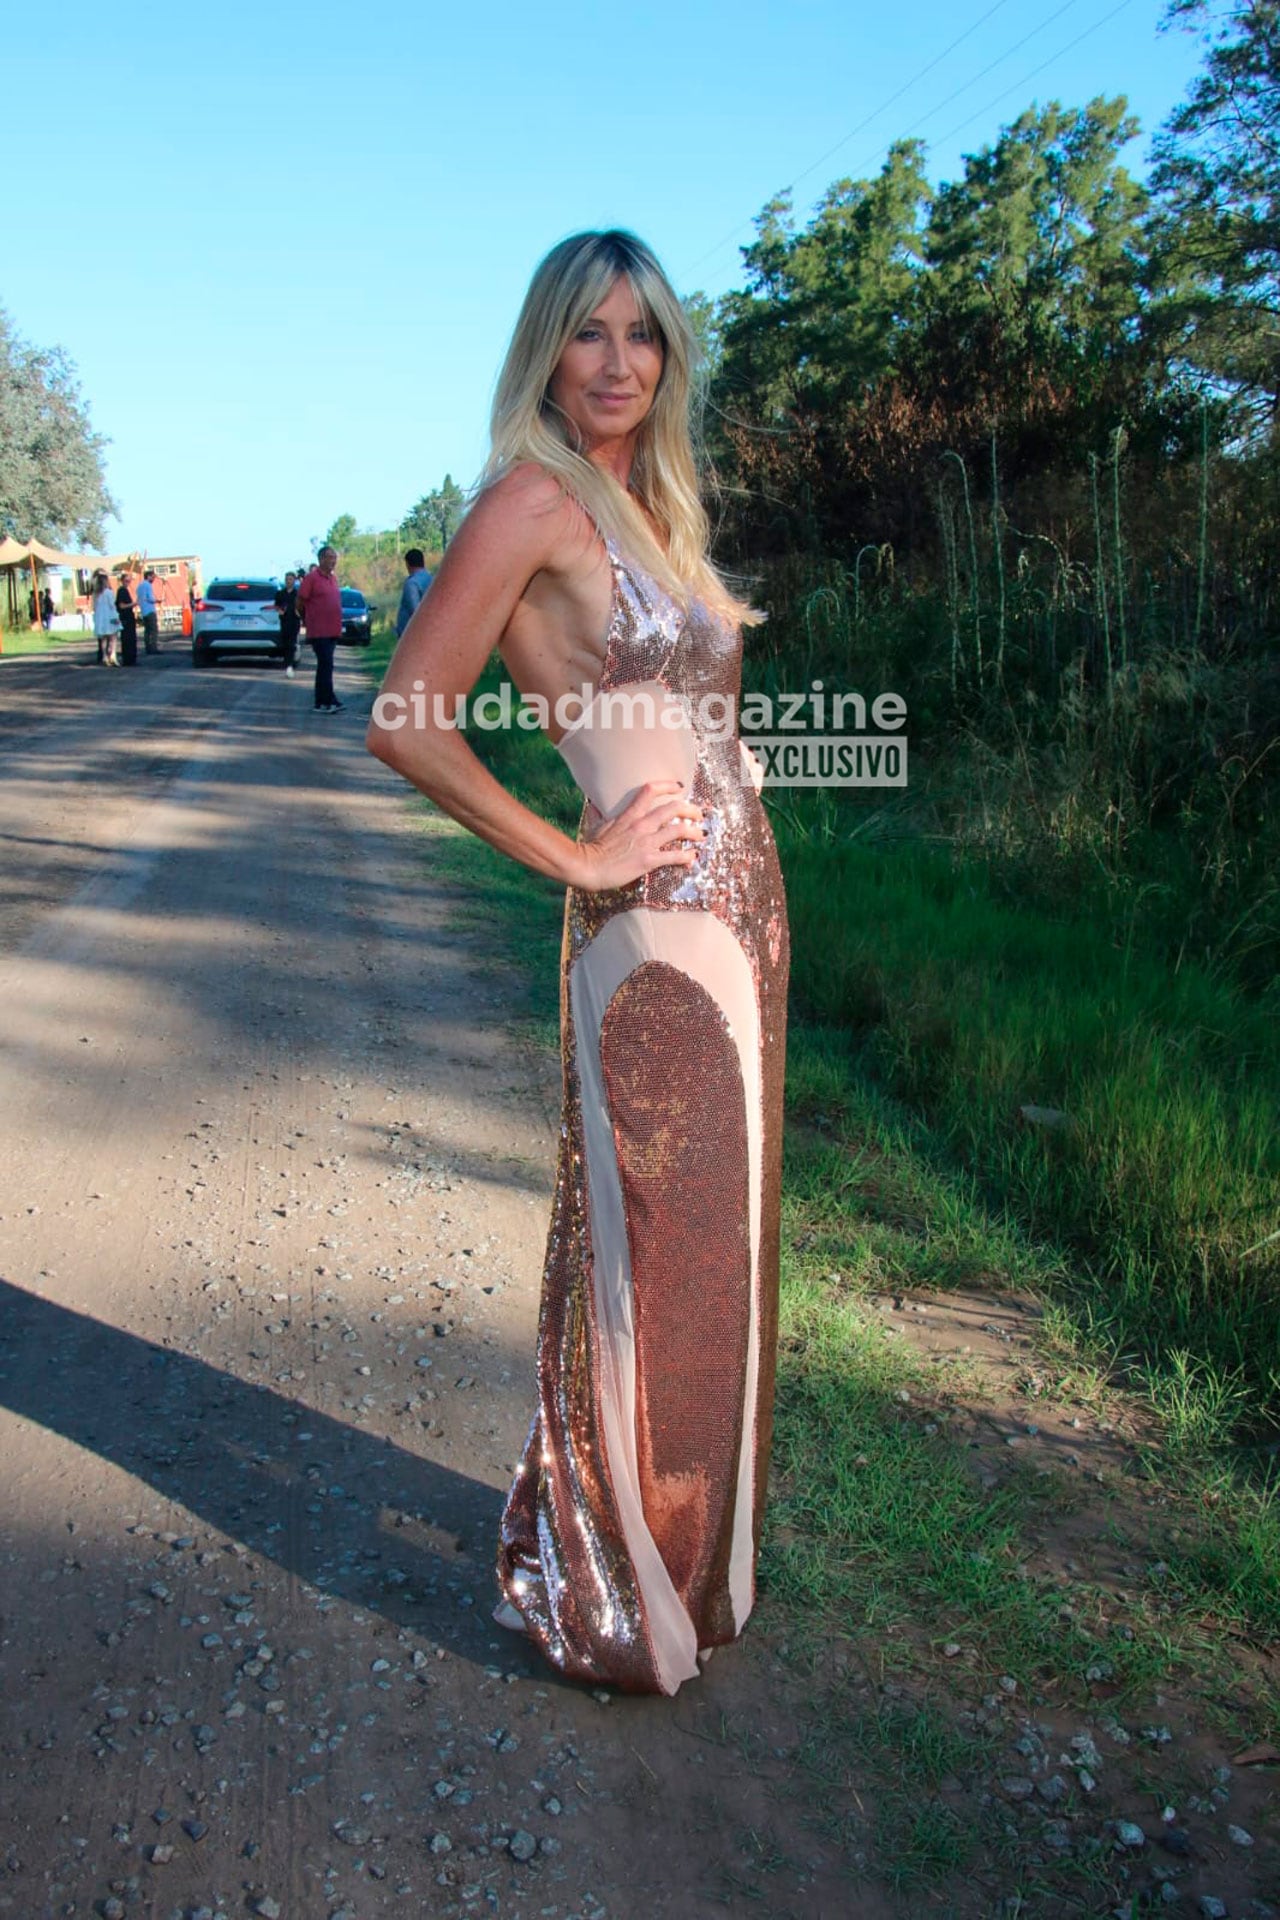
(357, 618)
(236, 617)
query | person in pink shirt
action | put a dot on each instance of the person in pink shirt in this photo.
(320, 604)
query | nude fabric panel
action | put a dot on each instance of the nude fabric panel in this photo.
(628, 736)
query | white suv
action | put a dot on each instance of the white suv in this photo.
(236, 617)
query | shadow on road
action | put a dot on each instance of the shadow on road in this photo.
(217, 867)
(349, 1513)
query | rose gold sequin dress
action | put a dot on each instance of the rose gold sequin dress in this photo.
(630, 1533)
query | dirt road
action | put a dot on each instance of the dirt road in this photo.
(273, 1187)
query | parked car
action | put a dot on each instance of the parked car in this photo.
(236, 617)
(357, 617)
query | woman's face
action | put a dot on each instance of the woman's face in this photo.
(607, 376)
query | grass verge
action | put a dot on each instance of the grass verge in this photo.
(18, 644)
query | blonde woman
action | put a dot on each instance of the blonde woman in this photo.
(629, 1538)
(106, 621)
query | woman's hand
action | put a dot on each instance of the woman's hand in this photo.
(659, 828)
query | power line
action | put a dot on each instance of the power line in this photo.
(894, 98)
(1035, 75)
(863, 124)
(942, 104)
(1025, 81)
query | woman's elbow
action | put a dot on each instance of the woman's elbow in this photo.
(383, 738)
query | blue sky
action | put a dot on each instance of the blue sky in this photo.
(285, 245)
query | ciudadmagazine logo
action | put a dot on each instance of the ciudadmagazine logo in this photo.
(791, 739)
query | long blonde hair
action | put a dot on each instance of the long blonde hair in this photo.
(527, 425)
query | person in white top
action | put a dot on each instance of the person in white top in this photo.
(106, 621)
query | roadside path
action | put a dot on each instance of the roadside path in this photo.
(273, 1189)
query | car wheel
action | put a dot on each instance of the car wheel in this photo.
(199, 658)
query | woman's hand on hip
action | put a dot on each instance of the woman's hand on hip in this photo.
(659, 828)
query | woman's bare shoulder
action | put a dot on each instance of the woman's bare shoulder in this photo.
(529, 506)
(525, 491)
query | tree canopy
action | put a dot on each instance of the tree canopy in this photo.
(434, 520)
(341, 533)
(1217, 175)
(826, 305)
(902, 323)
(52, 479)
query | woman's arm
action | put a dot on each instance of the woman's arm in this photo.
(518, 528)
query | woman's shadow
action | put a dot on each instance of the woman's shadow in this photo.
(350, 1513)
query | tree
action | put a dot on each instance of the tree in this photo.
(52, 480)
(1044, 231)
(701, 313)
(1033, 304)
(434, 520)
(827, 306)
(1217, 176)
(341, 533)
(896, 329)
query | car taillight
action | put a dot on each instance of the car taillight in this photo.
(209, 606)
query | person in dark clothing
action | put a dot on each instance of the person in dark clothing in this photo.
(128, 623)
(290, 621)
(46, 610)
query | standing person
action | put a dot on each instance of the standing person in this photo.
(46, 610)
(147, 608)
(628, 1543)
(320, 604)
(413, 589)
(290, 621)
(128, 623)
(106, 621)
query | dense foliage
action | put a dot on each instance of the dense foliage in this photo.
(1045, 300)
(52, 482)
(1010, 448)
(432, 523)
(1217, 231)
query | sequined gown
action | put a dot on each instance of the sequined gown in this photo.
(629, 1537)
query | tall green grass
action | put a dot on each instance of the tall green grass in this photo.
(1161, 1171)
